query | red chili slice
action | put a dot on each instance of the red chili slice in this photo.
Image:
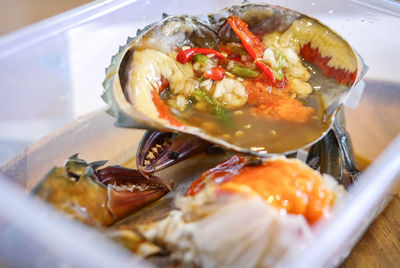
(162, 108)
(215, 73)
(252, 44)
(185, 55)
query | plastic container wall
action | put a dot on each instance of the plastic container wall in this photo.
(35, 235)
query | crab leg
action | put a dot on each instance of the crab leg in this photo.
(159, 150)
(313, 157)
(331, 161)
(345, 146)
(334, 153)
(326, 156)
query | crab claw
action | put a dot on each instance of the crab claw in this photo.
(99, 196)
(128, 191)
(159, 150)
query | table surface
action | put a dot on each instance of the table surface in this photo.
(24, 12)
(380, 245)
(372, 126)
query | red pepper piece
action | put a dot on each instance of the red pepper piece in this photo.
(215, 73)
(267, 71)
(185, 55)
(252, 44)
(162, 108)
(236, 59)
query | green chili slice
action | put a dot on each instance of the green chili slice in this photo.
(244, 72)
(200, 58)
(217, 109)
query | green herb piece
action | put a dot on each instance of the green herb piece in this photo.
(217, 109)
(201, 79)
(200, 58)
(244, 72)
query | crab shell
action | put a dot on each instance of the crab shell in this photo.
(136, 109)
(99, 197)
(236, 226)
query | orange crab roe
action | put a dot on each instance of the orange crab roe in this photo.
(289, 186)
(283, 184)
(276, 104)
(163, 109)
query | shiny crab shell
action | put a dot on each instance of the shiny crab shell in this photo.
(219, 203)
(136, 106)
(99, 196)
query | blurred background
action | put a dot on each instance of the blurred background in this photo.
(15, 14)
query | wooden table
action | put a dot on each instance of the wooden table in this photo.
(380, 246)
(372, 126)
(17, 14)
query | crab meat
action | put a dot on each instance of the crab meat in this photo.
(268, 205)
(230, 93)
(150, 67)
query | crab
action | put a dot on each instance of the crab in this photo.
(255, 61)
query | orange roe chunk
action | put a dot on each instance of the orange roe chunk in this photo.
(284, 184)
(275, 104)
(287, 185)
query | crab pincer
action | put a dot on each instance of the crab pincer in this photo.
(99, 196)
(159, 150)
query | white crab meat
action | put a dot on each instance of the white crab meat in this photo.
(150, 66)
(230, 93)
(235, 232)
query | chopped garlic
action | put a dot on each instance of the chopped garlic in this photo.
(206, 84)
(181, 102)
(230, 93)
(269, 57)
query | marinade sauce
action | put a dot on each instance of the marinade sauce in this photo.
(257, 133)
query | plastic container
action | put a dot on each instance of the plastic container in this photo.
(50, 82)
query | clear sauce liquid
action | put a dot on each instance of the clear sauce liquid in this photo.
(260, 134)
